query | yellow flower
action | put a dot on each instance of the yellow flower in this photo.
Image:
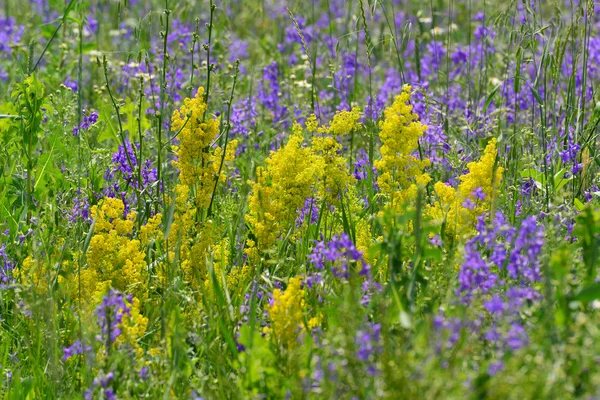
(344, 122)
(201, 164)
(484, 176)
(334, 174)
(280, 189)
(133, 328)
(151, 230)
(197, 160)
(287, 312)
(311, 123)
(400, 172)
(34, 272)
(112, 256)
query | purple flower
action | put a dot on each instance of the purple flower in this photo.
(270, 92)
(495, 367)
(517, 337)
(309, 210)
(495, 305)
(368, 341)
(144, 373)
(468, 203)
(125, 170)
(88, 121)
(76, 348)
(110, 314)
(6, 268)
(569, 154)
(479, 194)
(339, 252)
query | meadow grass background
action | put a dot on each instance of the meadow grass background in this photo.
(328, 199)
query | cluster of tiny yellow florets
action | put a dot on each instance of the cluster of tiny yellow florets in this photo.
(198, 160)
(484, 174)
(201, 163)
(113, 258)
(201, 247)
(35, 273)
(335, 177)
(344, 122)
(287, 312)
(294, 173)
(280, 189)
(133, 328)
(235, 280)
(400, 170)
(151, 230)
(452, 208)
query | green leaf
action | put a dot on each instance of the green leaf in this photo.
(537, 96)
(489, 99)
(533, 174)
(588, 294)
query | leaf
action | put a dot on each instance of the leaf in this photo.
(88, 237)
(518, 70)
(560, 180)
(488, 101)
(41, 175)
(537, 96)
(588, 294)
(533, 174)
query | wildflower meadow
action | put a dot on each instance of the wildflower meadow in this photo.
(291, 199)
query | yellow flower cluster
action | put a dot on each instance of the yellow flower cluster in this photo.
(198, 161)
(335, 177)
(151, 231)
(113, 258)
(34, 272)
(459, 208)
(201, 248)
(294, 173)
(311, 123)
(237, 278)
(484, 174)
(133, 328)
(287, 313)
(343, 122)
(400, 172)
(280, 190)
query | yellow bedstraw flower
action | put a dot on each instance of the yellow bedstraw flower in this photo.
(399, 170)
(287, 313)
(482, 174)
(133, 328)
(459, 208)
(112, 256)
(35, 273)
(197, 160)
(311, 123)
(280, 189)
(151, 230)
(344, 122)
(334, 175)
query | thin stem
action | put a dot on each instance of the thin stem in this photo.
(227, 127)
(207, 48)
(163, 83)
(62, 21)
